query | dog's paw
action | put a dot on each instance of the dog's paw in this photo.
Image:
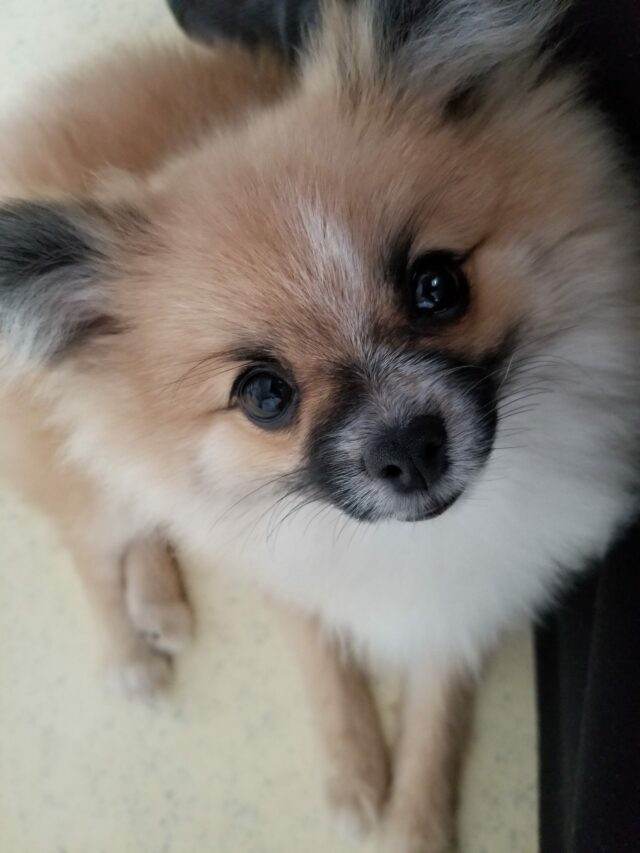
(355, 804)
(167, 627)
(140, 674)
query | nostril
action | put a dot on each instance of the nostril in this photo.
(390, 472)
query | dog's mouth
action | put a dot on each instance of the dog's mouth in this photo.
(416, 509)
(404, 481)
(429, 511)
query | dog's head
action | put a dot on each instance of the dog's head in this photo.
(350, 298)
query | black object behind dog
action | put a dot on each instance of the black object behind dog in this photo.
(588, 675)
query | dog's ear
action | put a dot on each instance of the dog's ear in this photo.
(441, 51)
(57, 261)
(278, 24)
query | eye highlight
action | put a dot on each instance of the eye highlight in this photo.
(438, 289)
(266, 397)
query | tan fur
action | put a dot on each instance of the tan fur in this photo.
(151, 106)
(131, 112)
(435, 729)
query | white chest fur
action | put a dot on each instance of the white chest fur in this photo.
(446, 587)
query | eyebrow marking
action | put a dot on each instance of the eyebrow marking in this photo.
(225, 361)
(240, 354)
(399, 256)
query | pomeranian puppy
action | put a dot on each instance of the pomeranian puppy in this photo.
(367, 332)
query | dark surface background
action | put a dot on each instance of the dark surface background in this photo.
(588, 668)
(588, 673)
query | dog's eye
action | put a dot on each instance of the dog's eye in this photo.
(265, 396)
(438, 287)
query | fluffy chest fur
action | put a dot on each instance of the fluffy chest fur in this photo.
(560, 481)
(549, 501)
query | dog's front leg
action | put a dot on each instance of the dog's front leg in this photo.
(434, 732)
(348, 723)
(155, 594)
(138, 599)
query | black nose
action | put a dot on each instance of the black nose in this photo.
(411, 458)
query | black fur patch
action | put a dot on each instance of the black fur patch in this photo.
(400, 20)
(330, 474)
(465, 100)
(324, 468)
(395, 260)
(37, 239)
(283, 24)
(280, 24)
(49, 279)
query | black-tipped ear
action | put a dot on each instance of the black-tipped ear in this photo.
(53, 268)
(279, 24)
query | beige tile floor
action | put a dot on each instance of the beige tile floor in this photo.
(226, 762)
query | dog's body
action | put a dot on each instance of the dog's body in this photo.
(228, 174)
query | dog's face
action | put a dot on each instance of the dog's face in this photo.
(342, 301)
(349, 336)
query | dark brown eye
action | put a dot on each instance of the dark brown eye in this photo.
(438, 287)
(266, 397)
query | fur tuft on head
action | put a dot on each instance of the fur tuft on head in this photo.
(440, 47)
